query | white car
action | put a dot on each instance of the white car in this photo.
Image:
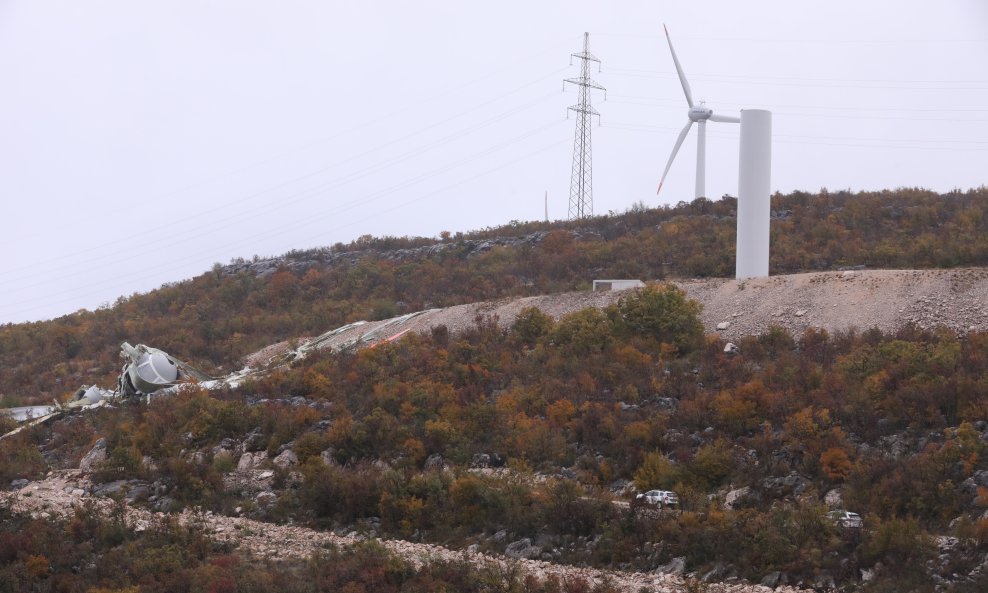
(846, 519)
(658, 498)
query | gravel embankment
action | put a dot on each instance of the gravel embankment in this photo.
(835, 301)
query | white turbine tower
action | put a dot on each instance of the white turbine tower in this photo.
(698, 113)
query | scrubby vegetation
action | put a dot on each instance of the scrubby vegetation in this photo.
(394, 440)
(217, 318)
(95, 554)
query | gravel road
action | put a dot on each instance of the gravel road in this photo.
(63, 490)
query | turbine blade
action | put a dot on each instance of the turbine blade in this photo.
(675, 149)
(679, 69)
(727, 119)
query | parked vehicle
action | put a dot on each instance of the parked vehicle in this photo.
(657, 498)
(846, 519)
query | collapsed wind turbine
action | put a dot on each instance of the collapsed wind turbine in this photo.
(698, 113)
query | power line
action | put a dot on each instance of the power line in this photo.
(802, 40)
(736, 77)
(291, 227)
(938, 109)
(796, 139)
(183, 224)
(362, 201)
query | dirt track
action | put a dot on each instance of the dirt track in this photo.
(61, 491)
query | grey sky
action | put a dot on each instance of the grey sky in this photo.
(140, 142)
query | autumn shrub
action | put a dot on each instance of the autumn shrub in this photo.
(340, 494)
(656, 472)
(567, 508)
(663, 313)
(194, 481)
(711, 465)
(530, 325)
(19, 458)
(310, 444)
(582, 332)
(903, 549)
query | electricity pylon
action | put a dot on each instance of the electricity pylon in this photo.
(581, 179)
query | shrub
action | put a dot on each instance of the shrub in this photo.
(663, 313)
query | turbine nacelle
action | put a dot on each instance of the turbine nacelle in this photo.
(700, 112)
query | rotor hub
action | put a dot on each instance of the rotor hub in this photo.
(700, 113)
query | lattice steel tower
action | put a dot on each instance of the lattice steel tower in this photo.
(581, 179)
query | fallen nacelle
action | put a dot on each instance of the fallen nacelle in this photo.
(146, 371)
(150, 369)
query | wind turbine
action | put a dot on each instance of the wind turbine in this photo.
(699, 113)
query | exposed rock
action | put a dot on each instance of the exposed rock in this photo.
(731, 348)
(676, 567)
(622, 487)
(435, 462)
(266, 498)
(666, 403)
(148, 463)
(137, 492)
(480, 460)
(18, 483)
(719, 572)
(255, 441)
(736, 497)
(522, 548)
(824, 581)
(96, 456)
(793, 484)
(672, 437)
(775, 579)
(465, 248)
(229, 446)
(834, 499)
(110, 489)
(723, 325)
(894, 446)
(249, 461)
(165, 504)
(286, 459)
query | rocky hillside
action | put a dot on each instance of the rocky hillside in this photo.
(61, 492)
(522, 429)
(215, 319)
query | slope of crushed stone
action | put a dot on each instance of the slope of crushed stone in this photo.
(838, 301)
(834, 301)
(63, 490)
